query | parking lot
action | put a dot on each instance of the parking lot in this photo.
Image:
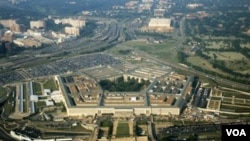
(72, 65)
(189, 129)
(10, 77)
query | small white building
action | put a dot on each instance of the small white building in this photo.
(46, 91)
(34, 98)
(133, 98)
(56, 96)
(49, 103)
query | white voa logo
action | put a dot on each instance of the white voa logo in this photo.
(236, 132)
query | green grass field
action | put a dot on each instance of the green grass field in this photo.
(40, 104)
(239, 66)
(37, 88)
(236, 108)
(204, 64)
(50, 84)
(215, 98)
(2, 92)
(226, 56)
(235, 94)
(232, 60)
(8, 108)
(122, 129)
(37, 62)
(247, 45)
(216, 45)
(165, 51)
(106, 123)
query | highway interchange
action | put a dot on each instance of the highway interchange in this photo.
(109, 33)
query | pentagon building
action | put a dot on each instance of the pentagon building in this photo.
(164, 96)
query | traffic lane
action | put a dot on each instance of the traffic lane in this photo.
(4, 135)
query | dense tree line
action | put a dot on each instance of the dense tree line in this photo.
(124, 52)
(8, 12)
(209, 5)
(88, 29)
(51, 25)
(66, 8)
(235, 78)
(14, 49)
(1, 26)
(236, 47)
(221, 24)
(221, 66)
(182, 57)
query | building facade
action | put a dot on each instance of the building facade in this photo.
(37, 24)
(8, 23)
(160, 22)
(72, 31)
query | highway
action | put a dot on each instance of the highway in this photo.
(105, 35)
(103, 39)
(4, 135)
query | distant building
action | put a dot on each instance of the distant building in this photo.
(29, 42)
(192, 6)
(72, 31)
(159, 12)
(31, 32)
(145, 6)
(161, 25)
(131, 4)
(18, 43)
(8, 36)
(37, 24)
(79, 23)
(159, 22)
(147, 1)
(8, 23)
(17, 28)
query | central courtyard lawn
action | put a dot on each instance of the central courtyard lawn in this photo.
(122, 129)
(37, 88)
(50, 84)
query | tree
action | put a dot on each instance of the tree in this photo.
(193, 137)
(1, 26)
(215, 56)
